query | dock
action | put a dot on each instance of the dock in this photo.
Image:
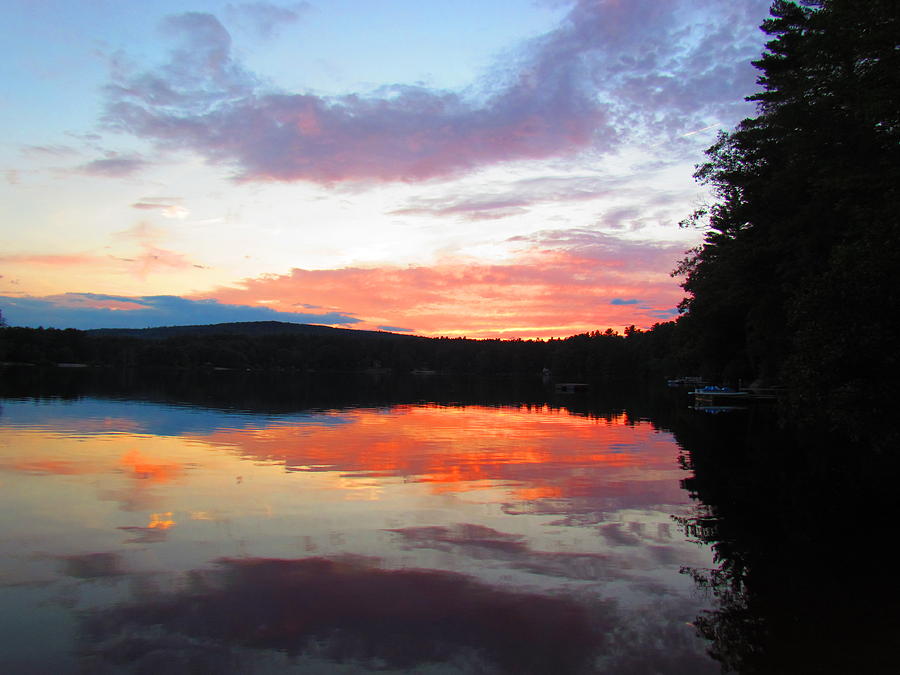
(725, 396)
(571, 387)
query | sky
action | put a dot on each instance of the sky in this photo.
(499, 168)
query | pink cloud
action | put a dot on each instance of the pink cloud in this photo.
(54, 260)
(544, 292)
(611, 71)
(148, 258)
(151, 257)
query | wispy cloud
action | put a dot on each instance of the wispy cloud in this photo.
(395, 329)
(143, 256)
(151, 257)
(265, 18)
(610, 72)
(512, 198)
(114, 166)
(168, 207)
(49, 151)
(52, 259)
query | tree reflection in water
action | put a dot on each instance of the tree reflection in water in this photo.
(806, 582)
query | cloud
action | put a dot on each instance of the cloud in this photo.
(513, 198)
(52, 259)
(149, 257)
(114, 167)
(395, 329)
(482, 543)
(243, 615)
(483, 208)
(558, 283)
(145, 469)
(648, 550)
(350, 611)
(168, 207)
(561, 283)
(93, 565)
(48, 150)
(616, 219)
(265, 18)
(610, 72)
(92, 310)
(51, 467)
(530, 465)
(652, 259)
(144, 535)
(616, 535)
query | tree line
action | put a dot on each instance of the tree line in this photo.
(796, 281)
(607, 355)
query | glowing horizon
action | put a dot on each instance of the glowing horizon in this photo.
(514, 171)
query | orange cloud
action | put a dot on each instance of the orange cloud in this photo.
(137, 465)
(535, 454)
(145, 469)
(541, 293)
(161, 521)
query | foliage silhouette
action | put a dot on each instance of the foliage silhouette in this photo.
(608, 356)
(796, 280)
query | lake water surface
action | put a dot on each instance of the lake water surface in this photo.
(532, 534)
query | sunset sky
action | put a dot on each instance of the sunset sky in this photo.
(499, 168)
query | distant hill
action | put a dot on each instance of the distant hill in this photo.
(247, 328)
(274, 346)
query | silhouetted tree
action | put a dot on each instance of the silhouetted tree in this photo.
(796, 278)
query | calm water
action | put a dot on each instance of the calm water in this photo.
(148, 534)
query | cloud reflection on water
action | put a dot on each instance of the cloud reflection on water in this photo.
(535, 452)
(545, 459)
(497, 539)
(352, 611)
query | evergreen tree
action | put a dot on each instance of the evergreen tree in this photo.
(797, 277)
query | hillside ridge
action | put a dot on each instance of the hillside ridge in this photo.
(248, 328)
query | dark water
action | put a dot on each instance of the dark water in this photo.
(221, 523)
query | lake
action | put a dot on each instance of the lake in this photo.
(223, 523)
